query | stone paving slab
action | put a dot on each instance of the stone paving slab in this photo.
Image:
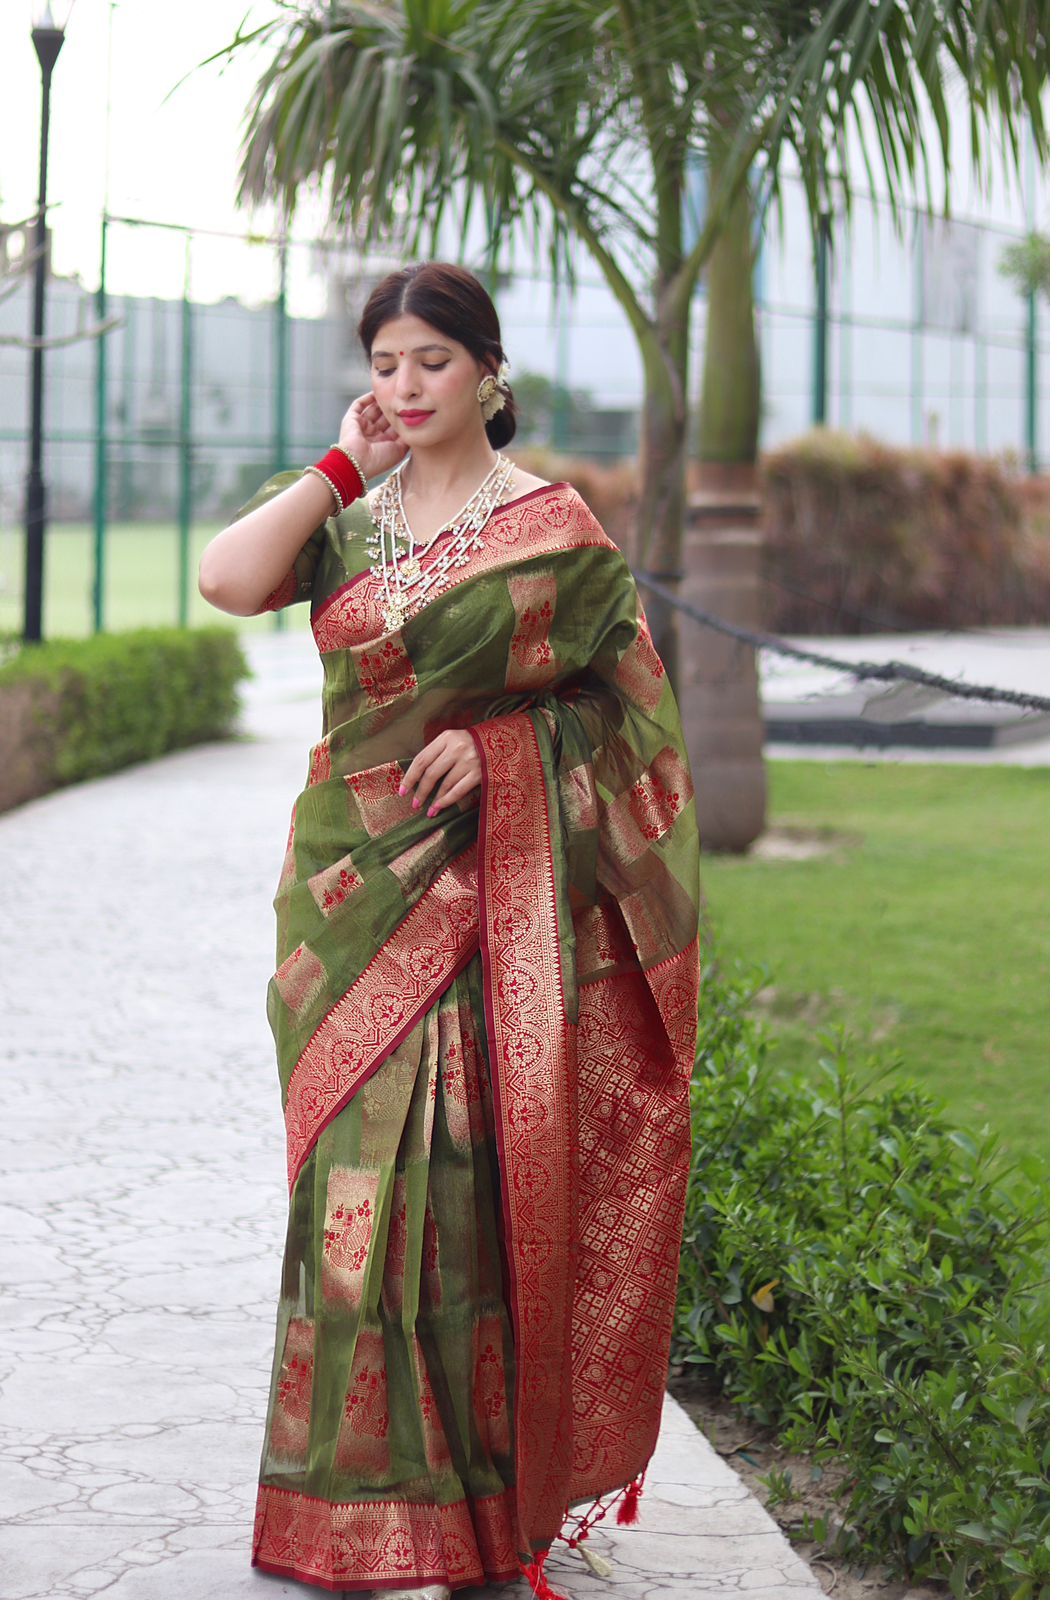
(143, 1200)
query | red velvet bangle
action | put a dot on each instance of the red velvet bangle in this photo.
(337, 466)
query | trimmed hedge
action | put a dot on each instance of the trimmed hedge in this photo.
(869, 1280)
(862, 536)
(77, 708)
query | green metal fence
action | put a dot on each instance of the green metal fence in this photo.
(242, 359)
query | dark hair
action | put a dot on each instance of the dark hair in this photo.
(455, 302)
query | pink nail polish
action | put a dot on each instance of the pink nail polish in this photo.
(415, 804)
(432, 812)
(401, 790)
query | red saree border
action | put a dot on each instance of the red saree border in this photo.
(579, 527)
(397, 1542)
(424, 954)
(532, 1050)
(508, 505)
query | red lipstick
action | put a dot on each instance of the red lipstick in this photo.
(412, 419)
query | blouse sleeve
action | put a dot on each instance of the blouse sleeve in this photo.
(298, 582)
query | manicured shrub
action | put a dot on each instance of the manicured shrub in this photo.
(868, 1279)
(76, 708)
(862, 536)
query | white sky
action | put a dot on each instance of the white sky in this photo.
(177, 161)
(173, 162)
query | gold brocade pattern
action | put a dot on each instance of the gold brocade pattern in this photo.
(487, 1100)
(377, 806)
(539, 524)
(533, 1053)
(300, 979)
(398, 986)
(367, 1543)
(531, 661)
(350, 1214)
(363, 1447)
(335, 884)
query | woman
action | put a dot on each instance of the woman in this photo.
(485, 1000)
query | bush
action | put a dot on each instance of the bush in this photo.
(76, 708)
(866, 1278)
(862, 536)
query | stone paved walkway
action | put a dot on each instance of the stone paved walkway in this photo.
(142, 1200)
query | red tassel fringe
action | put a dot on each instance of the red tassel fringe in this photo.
(626, 1514)
(538, 1578)
(627, 1511)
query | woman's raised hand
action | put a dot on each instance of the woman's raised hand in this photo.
(365, 432)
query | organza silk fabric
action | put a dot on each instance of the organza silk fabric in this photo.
(485, 1025)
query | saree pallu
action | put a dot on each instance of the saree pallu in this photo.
(485, 1026)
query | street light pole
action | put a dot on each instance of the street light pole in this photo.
(48, 41)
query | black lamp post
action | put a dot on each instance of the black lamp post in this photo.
(48, 38)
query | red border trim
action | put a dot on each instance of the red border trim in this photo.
(307, 1085)
(360, 577)
(536, 1218)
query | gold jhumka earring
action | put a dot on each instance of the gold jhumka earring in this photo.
(492, 391)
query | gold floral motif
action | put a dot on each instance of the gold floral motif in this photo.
(350, 1214)
(384, 670)
(290, 1424)
(363, 1446)
(300, 979)
(531, 660)
(334, 885)
(435, 1440)
(640, 816)
(491, 1415)
(374, 797)
(640, 673)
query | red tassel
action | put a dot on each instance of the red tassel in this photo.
(627, 1510)
(537, 1577)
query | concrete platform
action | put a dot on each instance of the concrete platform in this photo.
(811, 710)
(143, 1199)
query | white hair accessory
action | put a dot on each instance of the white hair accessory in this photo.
(492, 391)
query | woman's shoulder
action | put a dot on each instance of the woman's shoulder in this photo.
(523, 483)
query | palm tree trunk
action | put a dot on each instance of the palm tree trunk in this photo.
(722, 709)
(663, 454)
(730, 396)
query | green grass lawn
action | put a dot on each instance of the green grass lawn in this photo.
(141, 588)
(930, 934)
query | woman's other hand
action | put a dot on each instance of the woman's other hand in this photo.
(451, 762)
(365, 432)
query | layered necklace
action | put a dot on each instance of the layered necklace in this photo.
(397, 559)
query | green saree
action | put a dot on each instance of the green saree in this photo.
(485, 1026)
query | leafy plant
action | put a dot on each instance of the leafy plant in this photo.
(1026, 262)
(870, 1281)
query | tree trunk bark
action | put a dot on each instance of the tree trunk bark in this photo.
(663, 454)
(731, 390)
(722, 708)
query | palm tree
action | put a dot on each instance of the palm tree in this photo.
(573, 121)
(892, 77)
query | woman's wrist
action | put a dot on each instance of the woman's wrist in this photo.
(343, 475)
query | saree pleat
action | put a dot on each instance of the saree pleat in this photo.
(393, 1380)
(485, 1027)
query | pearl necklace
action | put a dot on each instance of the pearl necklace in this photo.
(397, 560)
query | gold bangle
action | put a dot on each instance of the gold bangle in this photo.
(339, 506)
